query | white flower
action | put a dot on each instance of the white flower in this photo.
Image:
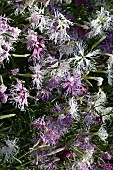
(3, 88)
(66, 1)
(99, 80)
(83, 60)
(101, 23)
(102, 133)
(39, 20)
(110, 70)
(67, 49)
(105, 114)
(58, 33)
(87, 157)
(99, 100)
(74, 109)
(8, 150)
(37, 76)
(63, 69)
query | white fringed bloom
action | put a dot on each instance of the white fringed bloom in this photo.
(102, 133)
(37, 76)
(8, 150)
(59, 33)
(73, 108)
(39, 20)
(62, 69)
(99, 100)
(110, 70)
(83, 60)
(103, 21)
(67, 48)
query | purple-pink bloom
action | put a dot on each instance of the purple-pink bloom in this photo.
(8, 35)
(18, 95)
(51, 130)
(72, 84)
(107, 166)
(36, 43)
(106, 155)
(44, 95)
(3, 97)
(14, 71)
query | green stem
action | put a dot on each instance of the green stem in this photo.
(25, 75)
(97, 43)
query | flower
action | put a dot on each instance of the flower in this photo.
(34, 42)
(52, 129)
(110, 70)
(3, 97)
(102, 23)
(8, 150)
(39, 20)
(82, 60)
(67, 48)
(73, 108)
(99, 100)
(58, 33)
(18, 95)
(44, 95)
(106, 155)
(37, 76)
(102, 133)
(73, 84)
(2, 88)
(107, 166)
(8, 35)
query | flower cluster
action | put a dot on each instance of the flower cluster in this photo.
(8, 35)
(59, 79)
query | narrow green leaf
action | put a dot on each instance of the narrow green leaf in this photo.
(55, 151)
(18, 55)
(7, 116)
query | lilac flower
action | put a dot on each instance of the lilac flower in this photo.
(34, 42)
(14, 71)
(72, 84)
(44, 95)
(3, 95)
(50, 137)
(18, 95)
(106, 155)
(65, 120)
(9, 35)
(2, 88)
(52, 84)
(52, 129)
(107, 166)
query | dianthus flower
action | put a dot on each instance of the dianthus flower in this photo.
(35, 43)
(18, 95)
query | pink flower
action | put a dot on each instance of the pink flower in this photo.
(19, 95)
